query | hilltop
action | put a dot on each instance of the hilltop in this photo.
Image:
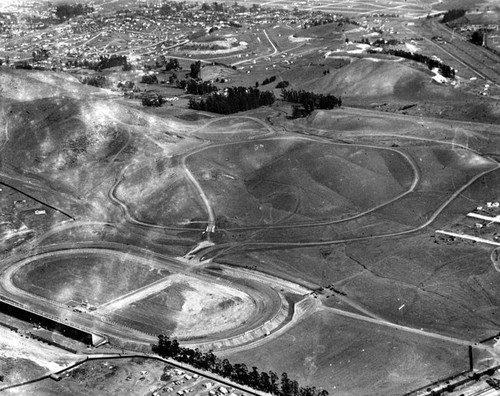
(30, 85)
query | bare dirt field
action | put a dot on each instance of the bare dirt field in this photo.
(188, 308)
(23, 358)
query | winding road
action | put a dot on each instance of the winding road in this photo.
(7, 288)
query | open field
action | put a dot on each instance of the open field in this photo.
(337, 353)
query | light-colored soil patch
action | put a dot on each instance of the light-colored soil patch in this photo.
(188, 307)
(210, 308)
(22, 358)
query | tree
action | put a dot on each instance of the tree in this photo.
(286, 386)
(254, 378)
(40, 54)
(273, 377)
(240, 373)
(227, 369)
(265, 382)
(282, 84)
(195, 70)
(172, 64)
(477, 37)
(296, 112)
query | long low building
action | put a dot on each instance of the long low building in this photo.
(70, 330)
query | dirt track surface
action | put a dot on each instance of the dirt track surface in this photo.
(212, 308)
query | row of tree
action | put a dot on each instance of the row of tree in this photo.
(263, 381)
(66, 11)
(445, 70)
(311, 100)
(233, 100)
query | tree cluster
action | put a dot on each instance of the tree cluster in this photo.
(106, 62)
(263, 381)
(95, 81)
(216, 7)
(477, 37)
(149, 79)
(172, 64)
(154, 101)
(171, 9)
(330, 19)
(66, 11)
(233, 100)
(318, 22)
(380, 42)
(445, 70)
(311, 100)
(40, 54)
(198, 88)
(269, 80)
(283, 84)
(24, 65)
(451, 15)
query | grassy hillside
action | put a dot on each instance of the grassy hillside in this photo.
(30, 85)
(349, 357)
(74, 146)
(268, 181)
